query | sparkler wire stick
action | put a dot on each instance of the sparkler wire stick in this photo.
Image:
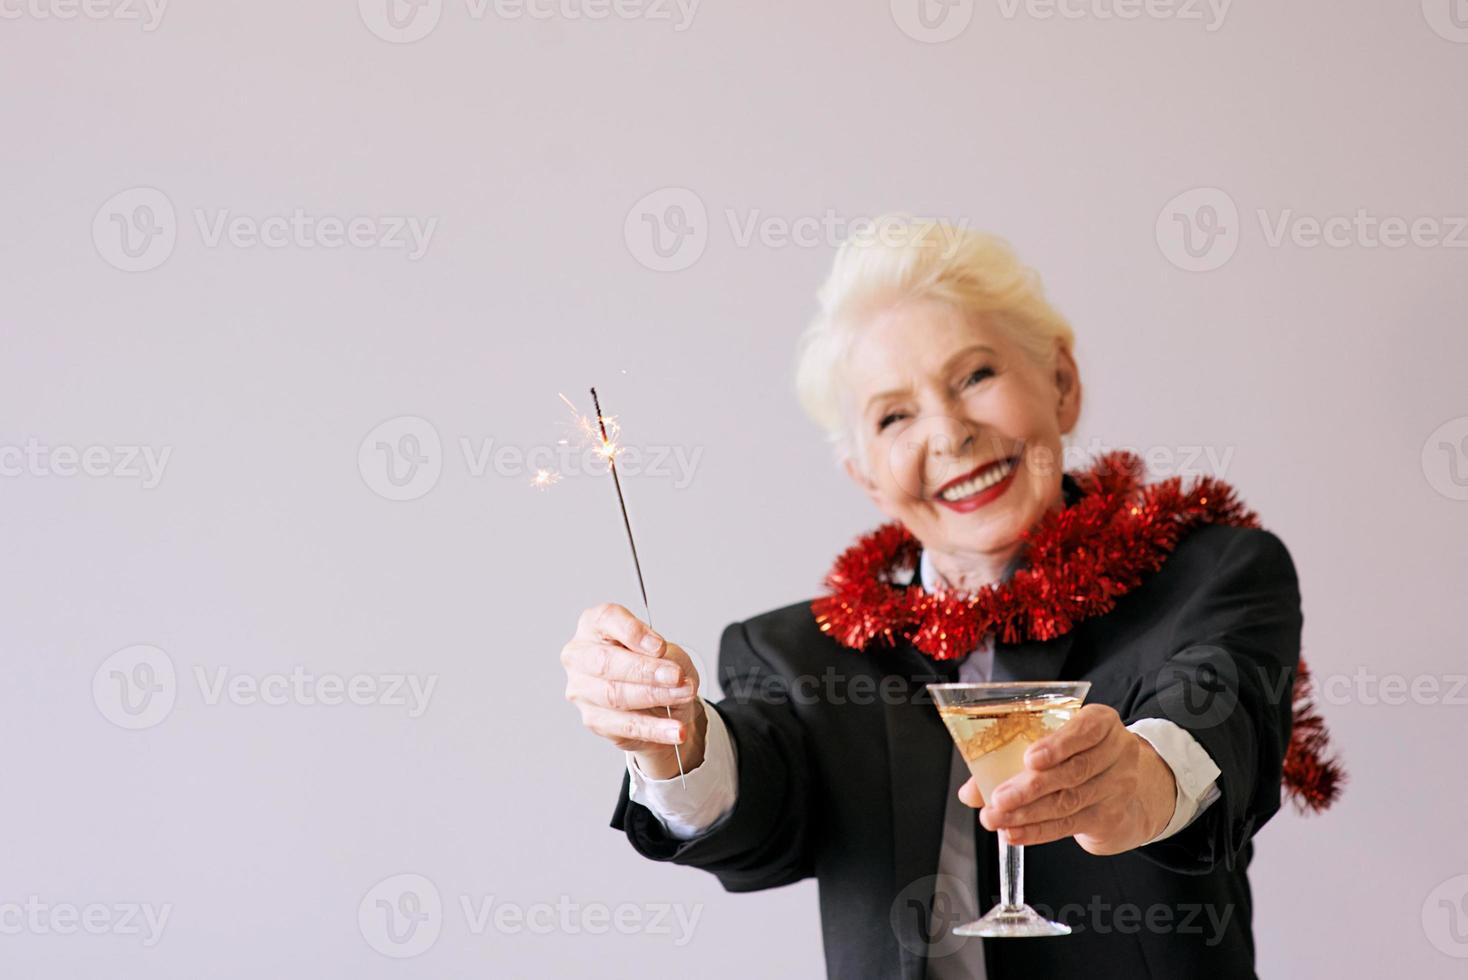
(632, 542)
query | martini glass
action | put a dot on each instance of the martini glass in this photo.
(992, 725)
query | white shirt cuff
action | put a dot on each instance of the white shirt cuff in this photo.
(1192, 768)
(687, 811)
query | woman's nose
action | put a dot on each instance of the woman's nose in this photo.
(950, 436)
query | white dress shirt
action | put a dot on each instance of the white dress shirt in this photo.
(708, 797)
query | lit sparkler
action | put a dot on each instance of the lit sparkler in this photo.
(603, 435)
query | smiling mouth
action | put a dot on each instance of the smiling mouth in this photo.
(977, 481)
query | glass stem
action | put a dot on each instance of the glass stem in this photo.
(1011, 874)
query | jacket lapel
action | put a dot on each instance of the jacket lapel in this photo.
(1033, 660)
(919, 753)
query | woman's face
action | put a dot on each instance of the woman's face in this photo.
(958, 428)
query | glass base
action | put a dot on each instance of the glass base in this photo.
(1012, 923)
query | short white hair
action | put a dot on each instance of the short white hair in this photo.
(906, 259)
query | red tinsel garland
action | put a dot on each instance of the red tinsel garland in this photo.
(1079, 561)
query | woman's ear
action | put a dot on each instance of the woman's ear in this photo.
(1068, 384)
(860, 478)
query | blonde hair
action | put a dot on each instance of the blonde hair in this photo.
(904, 259)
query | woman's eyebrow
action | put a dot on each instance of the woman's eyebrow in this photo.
(884, 395)
(960, 355)
(947, 366)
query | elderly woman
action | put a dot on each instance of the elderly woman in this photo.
(948, 382)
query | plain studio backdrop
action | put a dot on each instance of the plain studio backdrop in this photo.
(287, 295)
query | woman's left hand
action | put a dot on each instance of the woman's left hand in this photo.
(1091, 779)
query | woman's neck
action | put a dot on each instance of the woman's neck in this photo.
(969, 571)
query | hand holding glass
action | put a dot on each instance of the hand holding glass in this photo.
(993, 725)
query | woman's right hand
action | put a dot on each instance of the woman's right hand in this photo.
(622, 677)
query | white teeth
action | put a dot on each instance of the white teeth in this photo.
(990, 476)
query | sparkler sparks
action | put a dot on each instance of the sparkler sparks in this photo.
(596, 433)
(605, 435)
(599, 433)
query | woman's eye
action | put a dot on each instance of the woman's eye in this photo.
(979, 375)
(887, 420)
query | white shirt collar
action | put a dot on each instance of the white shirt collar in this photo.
(927, 574)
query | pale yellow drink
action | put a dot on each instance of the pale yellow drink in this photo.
(992, 738)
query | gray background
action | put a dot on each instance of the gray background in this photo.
(1325, 380)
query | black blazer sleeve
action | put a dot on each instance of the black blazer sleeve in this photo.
(1235, 649)
(763, 841)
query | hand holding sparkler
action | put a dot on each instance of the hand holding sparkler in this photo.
(622, 677)
(608, 687)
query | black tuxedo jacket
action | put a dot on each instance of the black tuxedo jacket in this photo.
(844, 774)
